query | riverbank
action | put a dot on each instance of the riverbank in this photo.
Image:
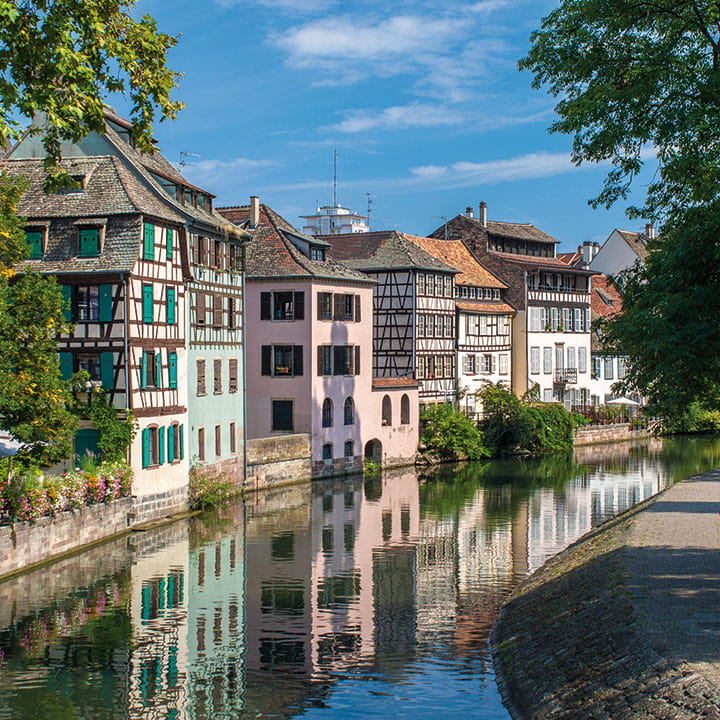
(622, 624)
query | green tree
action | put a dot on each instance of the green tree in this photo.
(448, 434)
(60, 59)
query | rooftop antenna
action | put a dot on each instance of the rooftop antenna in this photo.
(335, 157)
(370, 201)
(444, 219)
(183, 158)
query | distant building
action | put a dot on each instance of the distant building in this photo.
(335, 220)
(622, 250)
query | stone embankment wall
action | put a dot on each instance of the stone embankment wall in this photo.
(282, 459)
(24, 544)
(591, 434)
(568, 644)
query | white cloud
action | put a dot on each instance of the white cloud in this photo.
(212, 165)
(214, 174)
(290, 6)
(399, 117)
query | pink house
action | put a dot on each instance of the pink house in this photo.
(309, 330)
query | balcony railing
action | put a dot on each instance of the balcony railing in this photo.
(567, 376)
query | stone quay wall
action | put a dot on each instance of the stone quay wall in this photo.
(25, 544)
(277, 460)
(591, 434)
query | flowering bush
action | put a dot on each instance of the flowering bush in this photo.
(30, 495)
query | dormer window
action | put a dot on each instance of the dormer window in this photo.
(91, 235)
(35, 238)
(317, 253)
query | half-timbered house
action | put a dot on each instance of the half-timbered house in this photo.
(551, 331)
(483, 321)
(413, 308)
(118, 245)
(309, 353)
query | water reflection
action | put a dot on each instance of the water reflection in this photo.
(344, 598)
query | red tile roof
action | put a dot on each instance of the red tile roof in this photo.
(389, 382)
(485, 308)
(605, 300)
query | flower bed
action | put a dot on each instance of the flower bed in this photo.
(32, 495)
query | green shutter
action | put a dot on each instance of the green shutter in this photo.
(66, 365)
(143, 371)
(171, 443)
(34, 240)
(107, 371)
(67, 301)
(86, 443)
(161, 445)
(146, 447)
(105, 313)
(147, 303)
(169, 243)
(181, 441)
(149, 242)
(158, 370)
(89, 242)
(172, 370)
(171, 306)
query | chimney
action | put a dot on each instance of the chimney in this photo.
(469, 211)
(254, 211)
(650, 231)
(482, 213)
(589, 251)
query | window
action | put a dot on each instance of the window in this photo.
(421, 283)
(89, 242)
(404, 410)
(200, 309)
(349, 412)
(440, 325)
(608, 370)
(571, 358)
(535, 361)
(349, 307)
(324, 306)
(173, 443)
(150, 370)
(172, 370)
(505, 364)
(148, 242)
(86, 303)
(233, 439)
(596, 368)
(170, 307)
(621, 368)
(421, 326)
(218, 441)
(486, 364)
(151, 446)
(168, 244)
(236, 255)
(346, 359)
(430, 325)
(420, 368)
(286, 305)
(349, 450)
(547, 360)
(219, 255)
(327, 453)
(469, 364)
(325, 360)
(201, 444)
(386, 410)
(89, 364)
(439, 285)
(448, 286)
(34, 240)
(232, 375)
(327, 413)
(582, 359)
(448, 366)
(200, 372)
(231, 319)
(473, 324)
(217, 311)
(217, 376)
(449, 326)
(554, 319)
(566, 319)
(578, 319)
(282, 415)
(317, 253)
(147, 303)
(282, 360)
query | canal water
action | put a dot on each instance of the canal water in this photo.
(360, 598)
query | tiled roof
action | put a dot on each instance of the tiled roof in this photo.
(570, 258)
(605, 300)
(522, 231)
(455, 254)
(485, 308)
(271, 253)
(383, 250)
(390, 382)
(636, 241)
(533, 262)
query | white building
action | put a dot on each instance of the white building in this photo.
(622, 250)
(335, 220)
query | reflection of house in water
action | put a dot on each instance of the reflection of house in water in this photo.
(216, 633)
(159, 615)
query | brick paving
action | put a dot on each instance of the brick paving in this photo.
(626, 622)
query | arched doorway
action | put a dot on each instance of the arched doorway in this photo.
(373, 451)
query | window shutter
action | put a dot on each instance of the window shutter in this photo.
(266, 360)
(89, 242)
(147, 303)
(200, 371)
(217, 310)
(217, 376)
(67, 301)
(357, 360)
(171, 443)
(34, 240)
(107, 370)
(170, 306)
(149, 241)
(66, 365)
(146, 447)
(200, 308)
(181, 441)
(297, 359)
(169, 243)
(338, 360)
(339, 309)
(105, 298)
(232, 375)
(158, 370)
(357, 308)
(172, 370)
(143, 371)
(161, 445)
(265, 299)
(320, 358)
(299, 305)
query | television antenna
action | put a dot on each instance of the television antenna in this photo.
(370, 202)
(444, 219)
(183, 158)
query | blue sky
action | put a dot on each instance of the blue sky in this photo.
(423, 101)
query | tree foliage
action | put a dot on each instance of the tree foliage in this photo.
(632, 75)
(61, 58)
(448, 434)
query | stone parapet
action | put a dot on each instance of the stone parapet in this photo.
(618, 432)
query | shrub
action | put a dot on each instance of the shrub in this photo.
(209, 489)
(450, 435)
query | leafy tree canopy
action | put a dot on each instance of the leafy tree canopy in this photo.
(60, 58)
(634, 75)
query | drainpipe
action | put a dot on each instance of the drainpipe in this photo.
(126, 323)
(527, 349)
(244, 368)
(414, 339)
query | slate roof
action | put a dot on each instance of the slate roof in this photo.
(272, 254)
(485, 308)
(383, 250)
(455, 254)
(522, 231)
(532, 262)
